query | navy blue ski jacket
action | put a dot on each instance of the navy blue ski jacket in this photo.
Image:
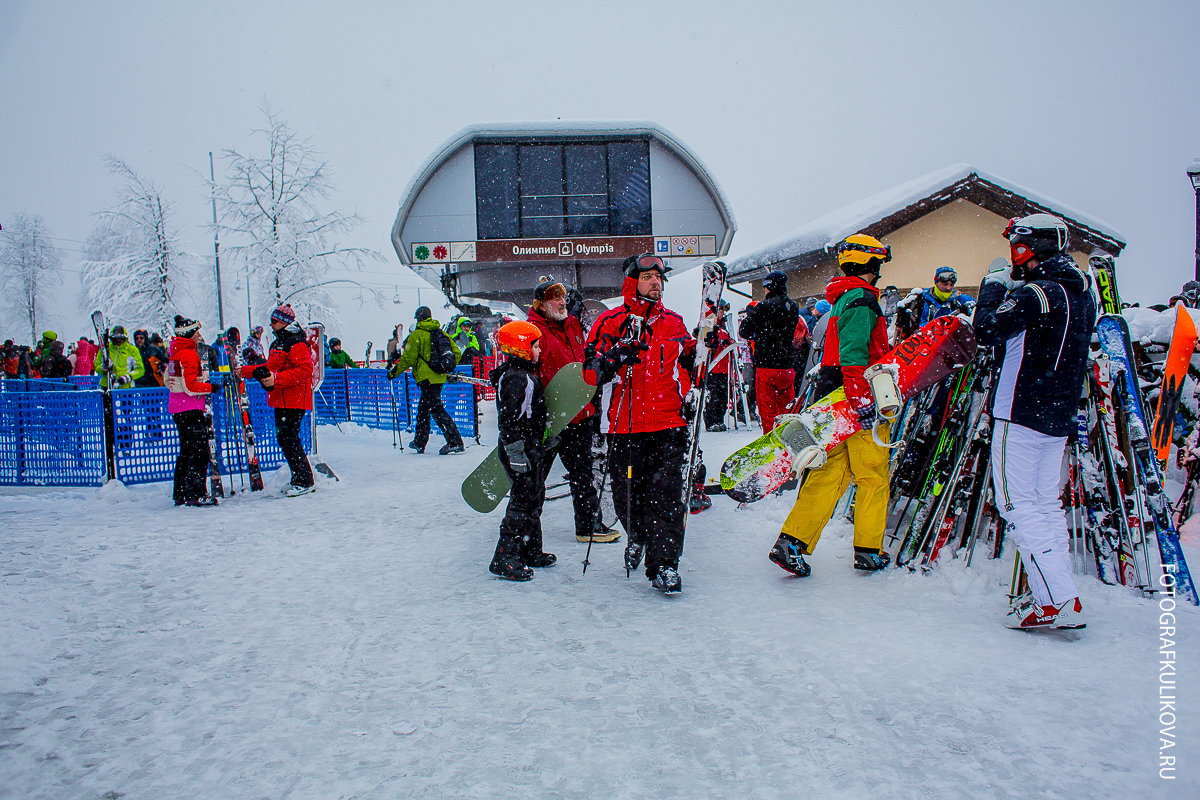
(1046, 328)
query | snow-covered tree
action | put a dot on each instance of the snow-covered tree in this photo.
(132, 261)
(275, 221)
(29, 266)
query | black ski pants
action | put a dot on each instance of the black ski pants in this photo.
(430, 404)
(575, 448)
(717, 387)
(287, 433)
(521, 528)
(191, 465)
(647, 489)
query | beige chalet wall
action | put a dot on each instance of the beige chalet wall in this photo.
(961, 235)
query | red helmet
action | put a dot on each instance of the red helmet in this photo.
(516, 338)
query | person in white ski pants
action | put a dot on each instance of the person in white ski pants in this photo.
(1026, 470)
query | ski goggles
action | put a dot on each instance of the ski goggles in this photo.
(650, 262)
(884, 252)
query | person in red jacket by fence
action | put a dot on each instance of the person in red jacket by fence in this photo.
(643, 355)
(287, 377)
(562, 344)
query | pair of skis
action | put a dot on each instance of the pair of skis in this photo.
(233, 340)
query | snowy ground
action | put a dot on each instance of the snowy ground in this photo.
(351, 643)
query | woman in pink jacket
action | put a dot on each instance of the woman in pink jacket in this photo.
(189, 386)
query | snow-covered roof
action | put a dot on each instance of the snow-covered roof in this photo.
(566, 128)
(889, 210)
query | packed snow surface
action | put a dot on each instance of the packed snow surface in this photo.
(351, 644)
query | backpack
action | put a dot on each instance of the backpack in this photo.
(441, 355)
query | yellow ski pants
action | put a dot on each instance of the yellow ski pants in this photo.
(858, 459)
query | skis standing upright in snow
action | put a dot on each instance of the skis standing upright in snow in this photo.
(1113, 333)
(712, 286)
(233, 340)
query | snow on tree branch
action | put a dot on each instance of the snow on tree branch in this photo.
(29, 264)
(276, 223)
(131, 264)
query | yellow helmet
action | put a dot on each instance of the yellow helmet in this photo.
(860, 249)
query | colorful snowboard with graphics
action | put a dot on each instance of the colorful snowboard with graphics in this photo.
(566, 395)
(918, 362)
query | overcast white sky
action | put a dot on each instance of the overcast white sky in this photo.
(796, 108)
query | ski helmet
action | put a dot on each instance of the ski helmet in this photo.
(575, 305)
(1035, 236)
(860, 254)
(335, 342)
(516, 338)
(185, 326)
(776, 279)
(118, 333)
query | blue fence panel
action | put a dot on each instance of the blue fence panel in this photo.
(369, 397)
(329, 402)
(86, 381)
(52, 438)
(145, 441)
(262, 417)
(458, 398)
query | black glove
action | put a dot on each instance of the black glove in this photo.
(518, 461)
(710, 339)
(124, 380)
(622, 355)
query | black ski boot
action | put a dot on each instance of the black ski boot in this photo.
(871, 562)
(201, 502)
(447, 449)
(539, 560)
(699, 501)
(789, 555)
(667, 581)
(510, 569)
(633, 556)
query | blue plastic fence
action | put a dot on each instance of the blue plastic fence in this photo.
(366, 396)
(52, 431)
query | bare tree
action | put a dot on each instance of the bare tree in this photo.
(276, 224)
(131, 264)
(29, 264)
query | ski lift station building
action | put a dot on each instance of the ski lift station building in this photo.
(499, 207)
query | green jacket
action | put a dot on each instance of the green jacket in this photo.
(126, 361)
(342, 360)
(417, 352)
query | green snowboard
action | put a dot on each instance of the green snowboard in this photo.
(566, 395)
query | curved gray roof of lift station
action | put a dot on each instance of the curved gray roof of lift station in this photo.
(510, 130)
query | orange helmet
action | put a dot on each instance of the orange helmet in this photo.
(516, 338)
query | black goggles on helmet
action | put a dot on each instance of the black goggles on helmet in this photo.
(884, 252)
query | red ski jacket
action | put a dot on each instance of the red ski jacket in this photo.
(290, 361)
(562, 344)
(647, 396)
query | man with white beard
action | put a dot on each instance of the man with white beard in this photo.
(562, 343)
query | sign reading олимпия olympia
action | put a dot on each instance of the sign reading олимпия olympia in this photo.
(611, 247)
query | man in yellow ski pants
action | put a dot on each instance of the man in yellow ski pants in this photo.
(856, 336)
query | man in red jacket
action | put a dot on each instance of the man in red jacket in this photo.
(643, 354)
(287, 377)
(562, 344)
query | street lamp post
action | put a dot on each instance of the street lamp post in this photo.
(1194, 174)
